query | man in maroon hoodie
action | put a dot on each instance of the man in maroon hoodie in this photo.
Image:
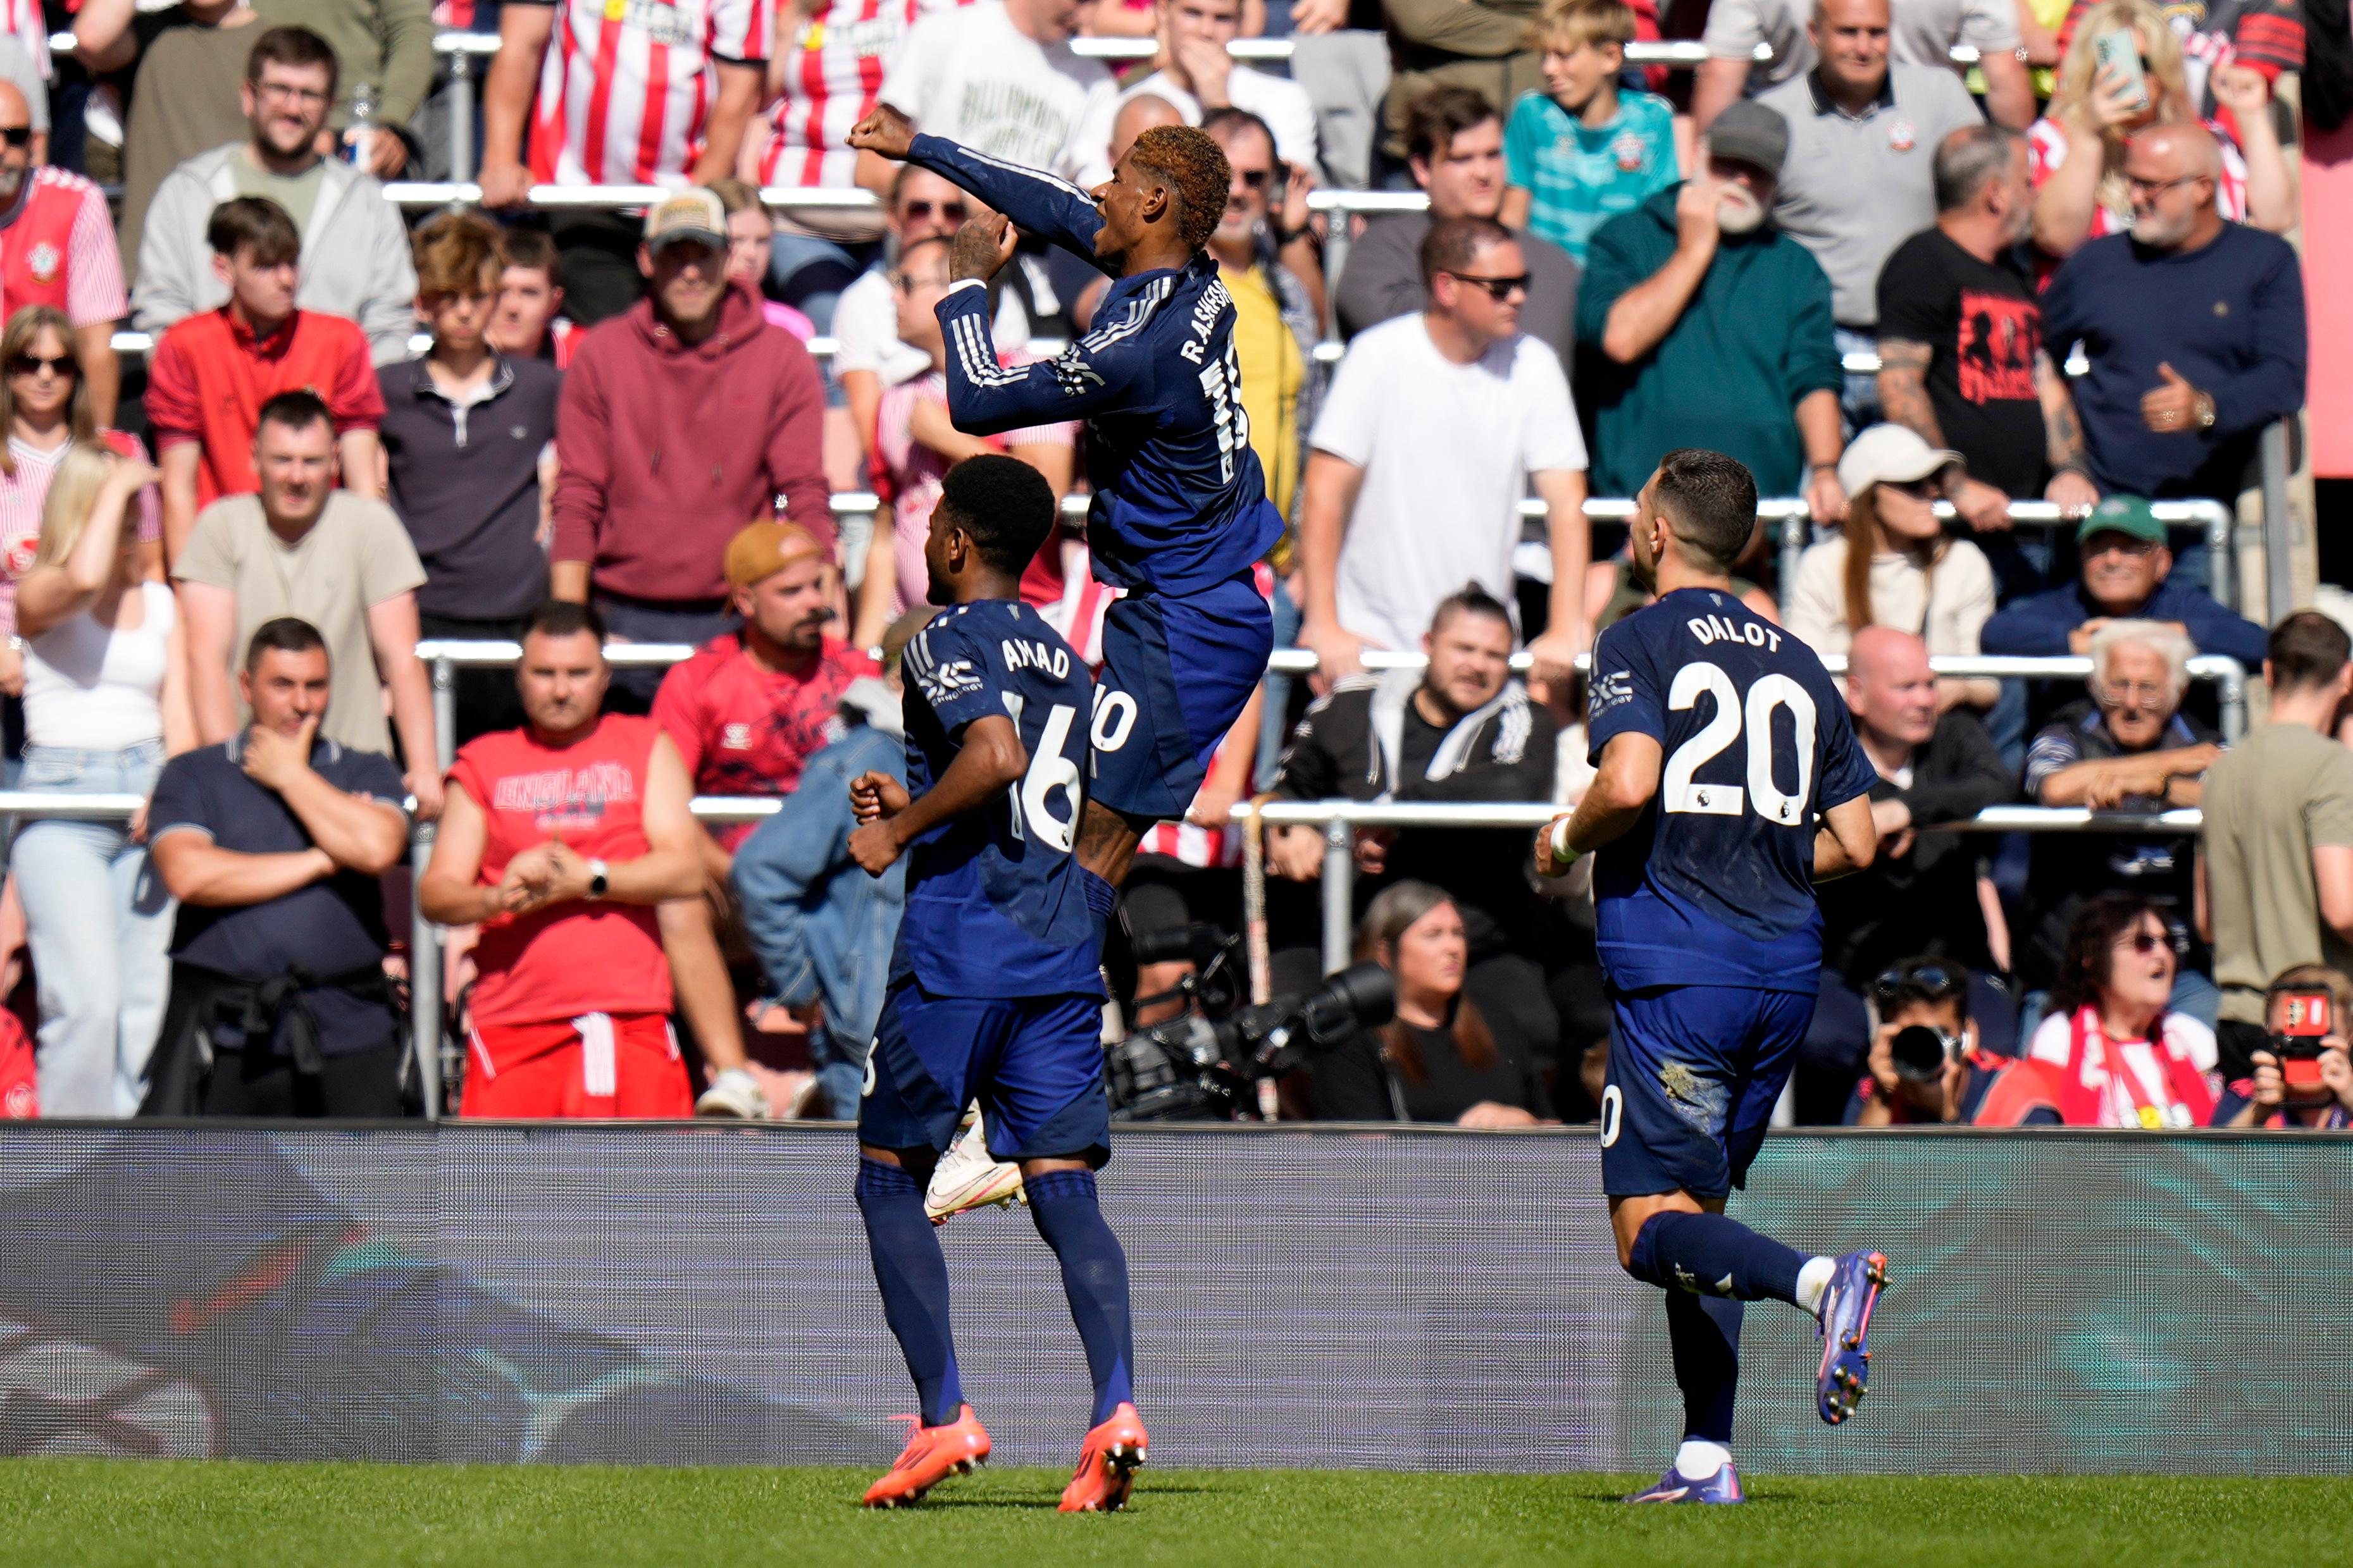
(682, 419)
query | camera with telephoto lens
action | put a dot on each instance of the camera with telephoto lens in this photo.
(1201, 1066)
(1920, 1053)
(2308, 1017)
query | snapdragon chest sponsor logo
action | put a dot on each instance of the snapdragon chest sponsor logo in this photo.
(567, 797)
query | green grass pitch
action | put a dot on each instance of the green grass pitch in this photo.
(60, 1514)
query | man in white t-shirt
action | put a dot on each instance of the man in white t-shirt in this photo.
(868, 356)
(1920, 33)
(1000, 76)
(1193, 73)
(1430, 435)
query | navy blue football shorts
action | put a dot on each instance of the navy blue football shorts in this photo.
(1035, 1063)
(1694, 1071)
(1177, 670)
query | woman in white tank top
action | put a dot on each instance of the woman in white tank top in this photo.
(105, 702)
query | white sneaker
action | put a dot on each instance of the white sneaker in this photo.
(966, 1178)
(736, 1093)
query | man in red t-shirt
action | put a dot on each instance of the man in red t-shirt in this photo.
(749, 709)
(559, 839)
(212, 372)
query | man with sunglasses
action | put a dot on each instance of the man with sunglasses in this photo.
(2194, 328)
(1949, 1078)
(57, 248)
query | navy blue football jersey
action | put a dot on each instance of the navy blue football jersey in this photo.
(1713, 886)
(1179, 500)
(993, 905)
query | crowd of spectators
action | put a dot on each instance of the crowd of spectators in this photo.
(1855, 266)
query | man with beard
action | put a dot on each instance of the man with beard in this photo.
(57, 248)
(354, 253)
(2194, 328)
(1699, 322)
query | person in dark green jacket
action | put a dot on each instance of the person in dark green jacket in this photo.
(1700, 324)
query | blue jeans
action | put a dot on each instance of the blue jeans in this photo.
(1859, 402)
(1273, 735)
(821, 927)
(99, 925)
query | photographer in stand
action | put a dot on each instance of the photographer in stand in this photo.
(2305, 1077)
(1927, 1065)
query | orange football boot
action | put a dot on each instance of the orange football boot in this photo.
(933, 1454)
(1107, 1465)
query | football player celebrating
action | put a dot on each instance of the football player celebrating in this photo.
(1179, 512)
(1730, 781)
(995, 988)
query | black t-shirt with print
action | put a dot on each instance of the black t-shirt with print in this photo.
(1983, 328)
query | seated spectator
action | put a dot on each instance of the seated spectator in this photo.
(352, 247)
(1581, 152)
(383, 70)
(45, 409)
(2121, 1053)
(751, 239)
(1452, 413)
(669, 108)
(1922, 34)
(465, 429)
(961, 67)
(182, 97)
(1457, 1051)
(916, 444)
(211, 373)
(1956, 1080)
(1459, 729)
(2280, 1089)
(559, 839)
(2275, 861)
(274, 844)
(1455, 153)
(343, 565)
(1894, 566)
(1927, 894)
(1339, 55)
(1704, 324)
(530, 323)
(2081, 190)
(2194, 329)
(1963, 362)
(2128, 575)
(59, 243)
(822, 928)
(679, 420)
(2129, 748)
(1194, 74)
(104, 706)
(1857, 181)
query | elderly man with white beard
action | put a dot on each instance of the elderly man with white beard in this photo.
(1700, 324)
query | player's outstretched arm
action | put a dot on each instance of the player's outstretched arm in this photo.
(984, 397)
(1621, 791)
(990, 757)
(1054, 210)
(1847, 842)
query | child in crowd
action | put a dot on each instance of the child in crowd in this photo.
(529, 322)
(1582, 152)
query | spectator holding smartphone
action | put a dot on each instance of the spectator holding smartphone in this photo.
(2301, 1074)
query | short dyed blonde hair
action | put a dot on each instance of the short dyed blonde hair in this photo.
(1563, 24)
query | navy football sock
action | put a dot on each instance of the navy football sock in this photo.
(1094, 1278)
(1712, 1256)
(914, 1275)
(1705, 1333)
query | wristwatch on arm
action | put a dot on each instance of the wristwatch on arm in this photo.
(600, 880)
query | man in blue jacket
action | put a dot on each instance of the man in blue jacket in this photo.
(2126, 577)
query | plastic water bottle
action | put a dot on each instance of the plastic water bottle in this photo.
(359, 136)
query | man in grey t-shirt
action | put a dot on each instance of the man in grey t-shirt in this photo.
(1858, 179)
(1921, 33)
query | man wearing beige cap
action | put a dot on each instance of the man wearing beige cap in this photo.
(681, 417)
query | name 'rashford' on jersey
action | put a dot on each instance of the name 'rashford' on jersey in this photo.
(1714, 885)
(994, 903)
(1179, 499)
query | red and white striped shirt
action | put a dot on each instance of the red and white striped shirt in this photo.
(627, 85)
(24, 18)
(830, 84)
(57, 248)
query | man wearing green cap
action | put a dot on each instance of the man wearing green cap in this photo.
(2125, 577)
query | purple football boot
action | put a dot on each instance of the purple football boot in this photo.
(1847, 1302)
(1675, 1487)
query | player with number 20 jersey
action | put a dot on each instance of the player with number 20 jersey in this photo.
(1729, 781)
